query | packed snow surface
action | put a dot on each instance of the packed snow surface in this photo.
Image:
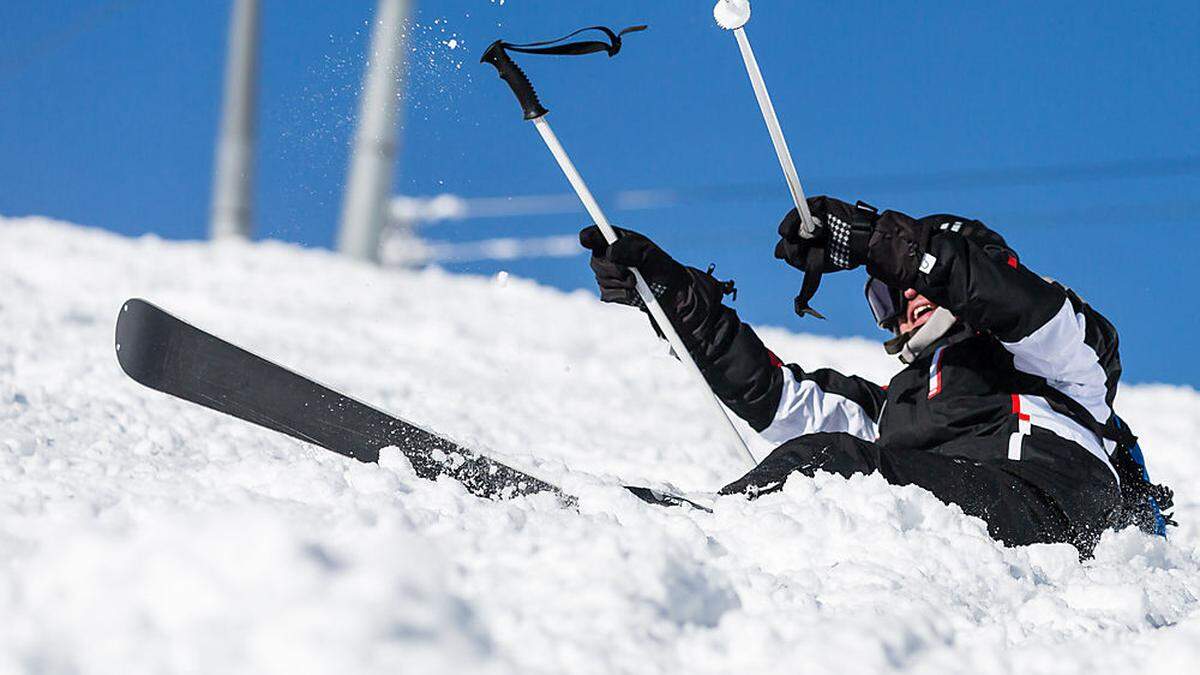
(141, 534)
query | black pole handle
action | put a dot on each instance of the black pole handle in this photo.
(511, 73)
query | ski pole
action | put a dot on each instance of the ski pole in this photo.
(732, 15)
(511, 73)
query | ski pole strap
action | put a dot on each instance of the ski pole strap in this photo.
(522, 88)
(560, 46)
(814, 266)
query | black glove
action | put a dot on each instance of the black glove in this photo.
(842, 231)
(690, 298)
(611, 265)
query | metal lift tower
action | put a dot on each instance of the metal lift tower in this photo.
(368, 187)
(233, 176)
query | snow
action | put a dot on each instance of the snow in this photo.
(731, 14)
(140, 534)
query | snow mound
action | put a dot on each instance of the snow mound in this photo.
(140, 534)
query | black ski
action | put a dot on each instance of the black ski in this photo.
(170, 355)
(660, 498)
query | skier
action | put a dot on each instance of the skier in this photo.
(1004, 406)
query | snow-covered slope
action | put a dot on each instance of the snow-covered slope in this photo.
(142, 534)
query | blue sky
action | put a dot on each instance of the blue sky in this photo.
(1069, 127)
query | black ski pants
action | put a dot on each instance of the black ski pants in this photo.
(1021, 503)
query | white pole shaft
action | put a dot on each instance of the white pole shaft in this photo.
(781, 146)
(372, 164)
(233, 174)
(643, 289)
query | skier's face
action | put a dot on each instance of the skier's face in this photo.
(917, 311)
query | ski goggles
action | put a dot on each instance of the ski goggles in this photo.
(887, 303)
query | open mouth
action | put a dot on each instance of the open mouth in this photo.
(919, 313)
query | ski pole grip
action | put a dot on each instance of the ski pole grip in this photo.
(511, 73)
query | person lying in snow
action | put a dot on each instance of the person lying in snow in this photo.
(1004, 406)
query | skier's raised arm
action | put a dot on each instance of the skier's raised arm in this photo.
(1049, 331)
(962, 266)
(778, 401)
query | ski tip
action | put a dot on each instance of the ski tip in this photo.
(134, 337)
(659, 498)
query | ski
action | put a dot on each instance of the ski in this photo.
(167, 354)
(660, 498)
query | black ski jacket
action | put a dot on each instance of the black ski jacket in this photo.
(1025, 380)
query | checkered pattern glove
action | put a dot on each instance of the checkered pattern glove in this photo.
(842, 230)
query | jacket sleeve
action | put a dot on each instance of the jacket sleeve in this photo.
(1049, 332)
(779, 402)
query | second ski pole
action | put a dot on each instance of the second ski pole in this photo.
(732, 15)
